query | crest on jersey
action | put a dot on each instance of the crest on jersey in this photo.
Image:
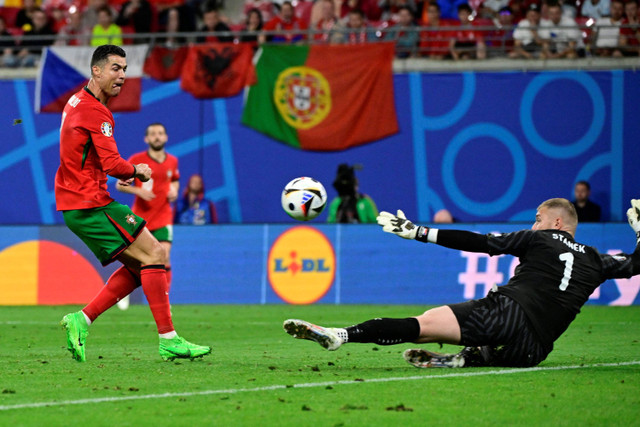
(131, 219)
(106, 129)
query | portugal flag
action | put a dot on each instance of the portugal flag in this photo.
(325, 97)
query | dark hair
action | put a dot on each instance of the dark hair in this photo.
(257, 12)
(106, 9)
(434, 4)
(585, 183)
(357, 12)
(464, 6)
(146, 132)
(346, 181)
(103, 52)
(408, 9)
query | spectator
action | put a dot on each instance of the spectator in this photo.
(404, 33)
(595, 9)
(31, 50)
(491, 8)
(105, 31)
(57, 11)
(501, 37)
(518, 9)
(327, 23)
(73, 33)
(7, 47)
(467, 42)
(192, 208)
(213, 24)
(587, 210)
(608, 31)
(527, 42)
(253, 23)
(391, 8)
(136, 15)
(265, 7)
(443, 216)
(292, 28)
(24, 18)
(354, 31)
(560, 34)
(90, 14)
(434, 42)
(630, 30)
(351, 206)
(173, 26)
(302, 11)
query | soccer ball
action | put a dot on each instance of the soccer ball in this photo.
(304, 198)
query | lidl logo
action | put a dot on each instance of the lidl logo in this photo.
(301, 265)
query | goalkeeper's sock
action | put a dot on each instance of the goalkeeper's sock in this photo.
(121, 283)
(385, 331)
(154, 285)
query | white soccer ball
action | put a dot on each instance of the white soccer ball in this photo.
(304, 198)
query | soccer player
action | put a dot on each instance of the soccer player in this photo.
(153, 198)
(88, 153)
(515, 324)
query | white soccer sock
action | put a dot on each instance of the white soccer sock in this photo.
(342, 334)
(168, 335)
(86, 318)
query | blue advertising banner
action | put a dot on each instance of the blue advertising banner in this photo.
(488, 146)
(280, 264)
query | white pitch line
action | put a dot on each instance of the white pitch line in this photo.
(311, 385)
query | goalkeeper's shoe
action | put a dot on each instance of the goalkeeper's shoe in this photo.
(179, 348)
(326, 337)
(421, 358)
(77, 331)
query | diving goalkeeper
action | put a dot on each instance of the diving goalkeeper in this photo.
(514, 325)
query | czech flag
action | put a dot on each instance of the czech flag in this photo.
(64, 70)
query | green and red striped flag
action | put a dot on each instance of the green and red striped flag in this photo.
(323, 98)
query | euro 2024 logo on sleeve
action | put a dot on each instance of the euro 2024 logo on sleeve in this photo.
(301, 265)
(302, 96)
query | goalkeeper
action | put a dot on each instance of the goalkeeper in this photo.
(516, 324)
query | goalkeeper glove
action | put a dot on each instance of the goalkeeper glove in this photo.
(633, 215)
(397, 224)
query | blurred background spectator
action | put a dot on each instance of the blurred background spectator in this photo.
(38, 36)
(434, 41)
(587, 210)
(404, 33)
(193, 208)
(467, 42)
(443, 216)
(24, 18)
(8, 47)
(630, 30)
(560, 34)
(327, 22)
(254, 23)
(73, 33)
(136, 16)
(106, 31)
(527, 42)
(607, 33)
(595, 9)
(213, 24)
(284, 22)
(355, 30)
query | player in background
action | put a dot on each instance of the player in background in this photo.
(88, 153)
(153, 198)
(515, 324)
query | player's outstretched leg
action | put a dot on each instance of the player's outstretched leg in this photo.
(468, 357)
(179, 348)
(77, 331)
(326, 337)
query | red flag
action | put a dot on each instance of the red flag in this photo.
(165, 63)
(218, 70)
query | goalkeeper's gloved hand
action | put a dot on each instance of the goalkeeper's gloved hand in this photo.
(633, 215)
(397, 224)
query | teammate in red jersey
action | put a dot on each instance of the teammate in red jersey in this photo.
(88, 153)
(153, 198)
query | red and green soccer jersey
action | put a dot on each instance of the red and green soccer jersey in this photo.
(157, 212)
(88, 153)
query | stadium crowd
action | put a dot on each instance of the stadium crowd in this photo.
(443, 29)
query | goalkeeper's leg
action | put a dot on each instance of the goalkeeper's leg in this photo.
(436, 325)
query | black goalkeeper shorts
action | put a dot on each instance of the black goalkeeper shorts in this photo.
(500, 323)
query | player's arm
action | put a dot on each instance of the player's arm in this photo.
(625, 265)
(174, 188)
(454, 239)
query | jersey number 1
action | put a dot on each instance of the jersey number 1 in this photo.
(567, 258)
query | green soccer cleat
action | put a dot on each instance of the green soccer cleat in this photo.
(179, 348)
(326, 337)
(77, 331)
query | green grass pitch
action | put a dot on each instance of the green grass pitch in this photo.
(258, 375)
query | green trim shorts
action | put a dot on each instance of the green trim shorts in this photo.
(107, 230)
(164, 234)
